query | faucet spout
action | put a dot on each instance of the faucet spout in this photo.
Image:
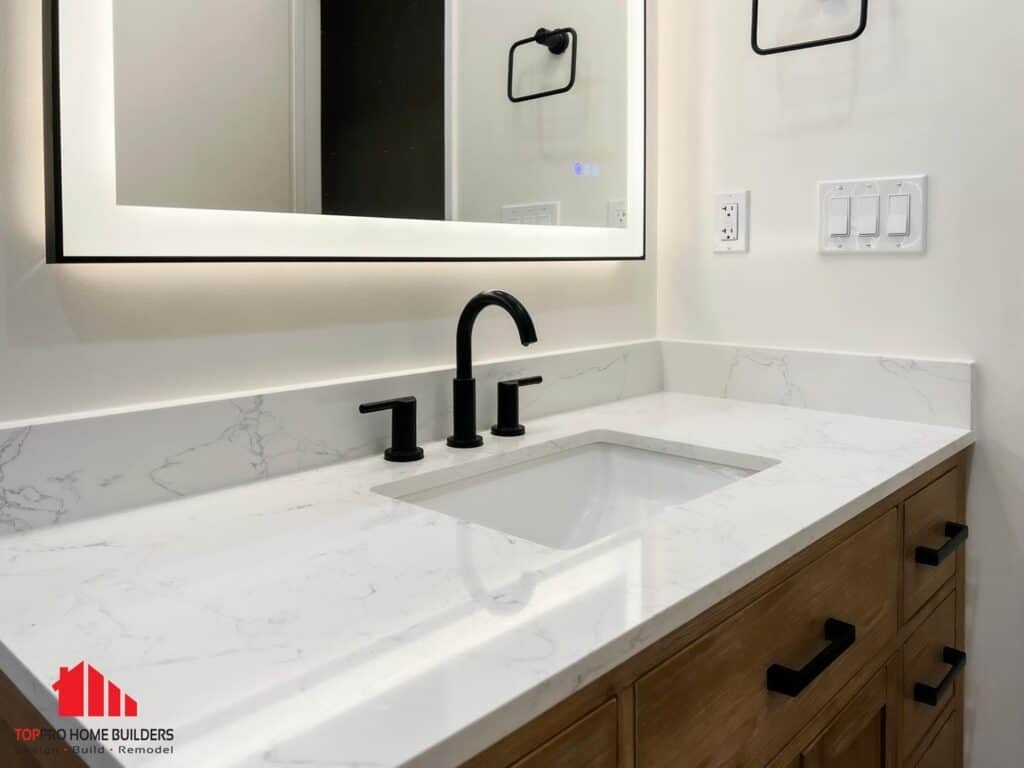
(464, 386)
(464, 334)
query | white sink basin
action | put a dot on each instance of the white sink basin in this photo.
(583, 489)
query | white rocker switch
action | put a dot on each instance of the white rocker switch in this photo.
(880, 215)
(839, 217)
(899, 216)
(865, 215)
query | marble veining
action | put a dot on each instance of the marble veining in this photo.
(307, 620)
(76, 469)
(927, 391)
(79, 468)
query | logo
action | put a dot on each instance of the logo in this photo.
(100, 698)
(82, 690)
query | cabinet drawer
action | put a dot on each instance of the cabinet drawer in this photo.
(709, 705)
(592, 742)
(923, 662)
(926, 514)
(944, 752)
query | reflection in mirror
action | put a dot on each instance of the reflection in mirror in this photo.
(386, 108)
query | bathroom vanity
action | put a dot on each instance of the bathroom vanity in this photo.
(681, 554)
(384, 613)
(701, 696)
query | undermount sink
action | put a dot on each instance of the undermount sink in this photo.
(584, 489)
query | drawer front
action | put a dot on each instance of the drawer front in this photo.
(944, 752)
(709, 705)
(923, 662)
(925, 517)
(592, 742)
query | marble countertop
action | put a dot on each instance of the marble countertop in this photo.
(307, 620)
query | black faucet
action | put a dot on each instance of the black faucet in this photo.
(403, 427)
(464, 386)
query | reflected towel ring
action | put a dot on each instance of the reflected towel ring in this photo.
(558, 42)
(811, 43)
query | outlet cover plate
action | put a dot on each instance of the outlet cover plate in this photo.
(740, 241)
(618, 214)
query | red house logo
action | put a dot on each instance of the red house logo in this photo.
(102, 699)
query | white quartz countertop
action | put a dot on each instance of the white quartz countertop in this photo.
(310, 621)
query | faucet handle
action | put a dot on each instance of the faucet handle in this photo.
(508, 407)
(403, 427)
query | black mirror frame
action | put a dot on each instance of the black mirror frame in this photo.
(54, 229)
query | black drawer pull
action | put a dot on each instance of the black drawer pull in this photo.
(791, 682)
(957, 535)
(926, 694)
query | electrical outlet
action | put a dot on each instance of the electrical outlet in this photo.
(728, 222)
(618, 215)
(732, 221)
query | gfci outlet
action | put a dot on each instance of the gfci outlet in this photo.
(732, 222)
(618, 215)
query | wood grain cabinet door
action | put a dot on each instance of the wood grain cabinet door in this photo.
(712, 704)
(864, 733)
(944, 752)
(923, 663)
(593, 742)
(926, 515)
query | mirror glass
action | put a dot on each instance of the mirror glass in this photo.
(410, 109)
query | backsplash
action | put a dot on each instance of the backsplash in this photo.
(74, 469)
(926, 391)
(69, 470)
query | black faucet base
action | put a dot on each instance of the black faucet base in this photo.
(465, 442)
(403, 457)
(516, 431)
(403, 427)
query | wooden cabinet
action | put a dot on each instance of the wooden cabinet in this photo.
(926, 516)
(591, 742)
(864, 733)
(710, 705)
(700, 697)
(944, 751)
(924, 665)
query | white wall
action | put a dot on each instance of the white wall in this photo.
(933, 87)
(220, 69)
(507, 154)
(78, 337)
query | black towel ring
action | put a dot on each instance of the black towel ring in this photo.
(555, 40)
(811, 43)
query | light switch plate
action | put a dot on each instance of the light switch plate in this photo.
(732, 222)
(870, 233)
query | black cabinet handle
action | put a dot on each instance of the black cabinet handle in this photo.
(957, 535)
(930, 695)
(791, 682)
